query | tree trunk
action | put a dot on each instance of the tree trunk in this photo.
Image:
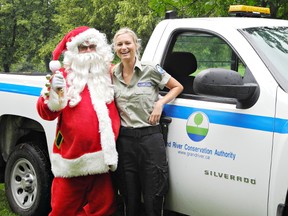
(6, 68)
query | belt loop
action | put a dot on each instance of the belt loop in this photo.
(137, 133)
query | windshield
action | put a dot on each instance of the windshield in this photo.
(272, 46)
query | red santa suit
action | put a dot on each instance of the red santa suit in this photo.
(84, 149)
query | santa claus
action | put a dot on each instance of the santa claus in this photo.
(80, 95)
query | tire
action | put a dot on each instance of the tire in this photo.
(28, 180)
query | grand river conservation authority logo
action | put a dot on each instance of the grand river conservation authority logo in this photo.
(197, 126)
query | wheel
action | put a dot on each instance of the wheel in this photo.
(28, 180)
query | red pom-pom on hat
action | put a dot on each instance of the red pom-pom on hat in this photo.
(61, 47)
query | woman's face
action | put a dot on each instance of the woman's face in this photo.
(125, 47)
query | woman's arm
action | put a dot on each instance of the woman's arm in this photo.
(175, 89)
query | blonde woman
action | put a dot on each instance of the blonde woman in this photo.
(142, 163)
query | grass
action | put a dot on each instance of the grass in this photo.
(6, 211)
(4, 206)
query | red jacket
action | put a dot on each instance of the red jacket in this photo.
(78, 149)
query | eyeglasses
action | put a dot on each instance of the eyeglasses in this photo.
(82, 48)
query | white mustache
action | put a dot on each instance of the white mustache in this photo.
(87, 58)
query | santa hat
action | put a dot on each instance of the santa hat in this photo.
(70, 42)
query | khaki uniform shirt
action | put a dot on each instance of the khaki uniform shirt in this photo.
(135, 101)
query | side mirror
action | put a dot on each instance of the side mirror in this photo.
(228, 84)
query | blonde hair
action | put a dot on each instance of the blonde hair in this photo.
(136, 40)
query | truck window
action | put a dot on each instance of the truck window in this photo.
(191, 52)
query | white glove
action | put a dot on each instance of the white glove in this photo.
(58, 82)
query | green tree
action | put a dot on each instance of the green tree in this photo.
(30, 29)
(136, 15)
(278, 8)
(106, 16)
(199, 8)
(188, 8)
(43, 29)
(99, 14)
(25, 27)
(9, 29)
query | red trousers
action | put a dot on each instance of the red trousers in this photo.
(83, 196)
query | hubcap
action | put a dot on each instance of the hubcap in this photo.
(24, 183)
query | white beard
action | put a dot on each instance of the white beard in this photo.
(90, 69)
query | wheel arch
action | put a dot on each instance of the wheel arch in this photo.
(18, 129)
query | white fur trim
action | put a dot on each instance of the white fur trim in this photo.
(107, 137)
(80, 38)
(54, 65)
(87, 164)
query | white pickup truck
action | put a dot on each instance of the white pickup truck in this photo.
(227, 142)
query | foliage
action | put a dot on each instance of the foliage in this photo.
(30, 29)
(200, 8)
(136, 15)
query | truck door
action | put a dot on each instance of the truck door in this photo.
(219, 153)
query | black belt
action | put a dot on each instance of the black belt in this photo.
(139, 132)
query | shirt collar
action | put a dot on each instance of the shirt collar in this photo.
(119, 68)
(138, 65)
